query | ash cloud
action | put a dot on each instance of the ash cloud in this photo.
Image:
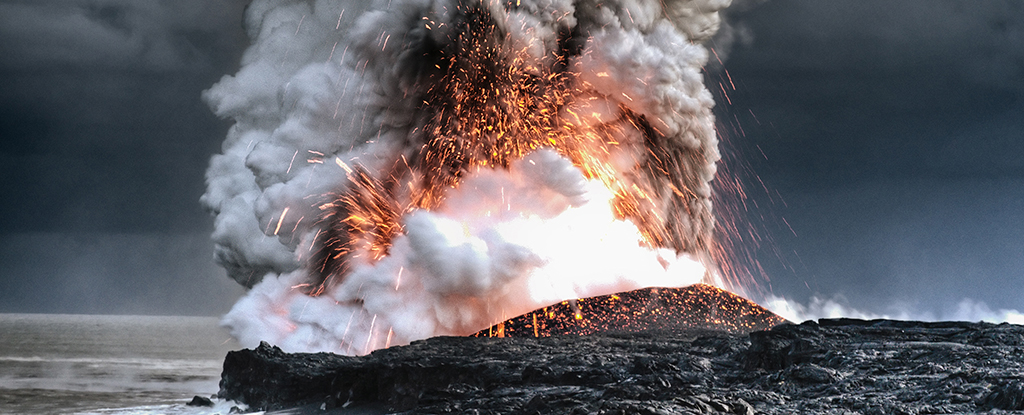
(329, 87)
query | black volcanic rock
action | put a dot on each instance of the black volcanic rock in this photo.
(832, 366)
(200, 401)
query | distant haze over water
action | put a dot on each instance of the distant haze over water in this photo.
(56, 363)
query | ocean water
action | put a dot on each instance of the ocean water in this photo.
(90, 364)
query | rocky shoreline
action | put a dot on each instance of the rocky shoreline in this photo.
(829, 366)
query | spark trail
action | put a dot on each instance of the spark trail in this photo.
(469, 161)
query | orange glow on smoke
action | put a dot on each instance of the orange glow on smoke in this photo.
(486, 108)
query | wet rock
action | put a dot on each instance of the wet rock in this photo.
(829, 366)
(1009, 397)
(200, 401)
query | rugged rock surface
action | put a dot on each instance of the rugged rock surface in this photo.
(832, 366)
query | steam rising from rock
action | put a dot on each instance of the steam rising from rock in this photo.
(330, 90)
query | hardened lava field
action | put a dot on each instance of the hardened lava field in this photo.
(698, 306)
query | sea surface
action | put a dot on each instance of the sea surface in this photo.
(95, 364)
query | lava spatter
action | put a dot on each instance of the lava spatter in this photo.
(698, 306)
(471, 160)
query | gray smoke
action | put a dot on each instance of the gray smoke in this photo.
(329, 87)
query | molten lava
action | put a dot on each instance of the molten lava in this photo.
(485, 102)
(698, 306)
(471, 160)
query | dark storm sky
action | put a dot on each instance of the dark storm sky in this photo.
(103, 146)
(894, 133)
(889, 135)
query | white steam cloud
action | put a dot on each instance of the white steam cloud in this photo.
(837, 306)
(328, 85)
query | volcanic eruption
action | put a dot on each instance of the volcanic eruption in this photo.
(426, 167)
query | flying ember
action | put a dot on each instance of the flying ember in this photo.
(469, 161)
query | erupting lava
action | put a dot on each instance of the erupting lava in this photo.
(487, 102)
(472, 160)
(698, 306)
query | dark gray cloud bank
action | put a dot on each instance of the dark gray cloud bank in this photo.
(103, 144)
(889, 135)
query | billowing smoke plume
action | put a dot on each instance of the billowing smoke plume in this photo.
(413, 168)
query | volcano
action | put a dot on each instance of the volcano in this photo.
(409, 169)
(267, 378)
(699, 306)
(829, 366)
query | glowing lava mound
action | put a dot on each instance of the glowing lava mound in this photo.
(699, 306)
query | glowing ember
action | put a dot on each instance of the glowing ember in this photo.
(698, 306)
(487, 102)
(468, 161)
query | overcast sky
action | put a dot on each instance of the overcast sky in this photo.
(103, 145)
(888, 136)
(892, 135)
